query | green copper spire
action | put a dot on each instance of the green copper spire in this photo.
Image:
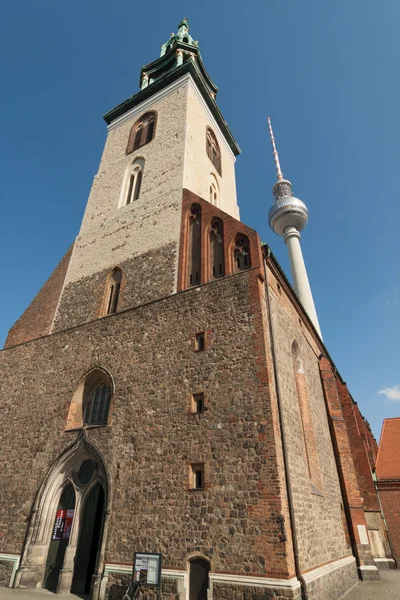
(178, 50)
(183, 36)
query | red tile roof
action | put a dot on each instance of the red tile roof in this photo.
(388, 459)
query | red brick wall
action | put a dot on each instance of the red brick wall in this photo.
(389, 492)
(335, 394)
(231, 228)
(38, 317)
(356, 436)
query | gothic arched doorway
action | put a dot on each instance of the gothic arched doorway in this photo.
(65, 540)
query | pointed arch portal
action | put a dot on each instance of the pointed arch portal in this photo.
(65, 542)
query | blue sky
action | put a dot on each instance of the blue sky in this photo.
(327, 74)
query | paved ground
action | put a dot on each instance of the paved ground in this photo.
(10, 594)
(386, 589)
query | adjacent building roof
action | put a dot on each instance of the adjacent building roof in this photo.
(388, 459)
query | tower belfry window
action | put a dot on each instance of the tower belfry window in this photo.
(142, 132)
(213, 151)
(217, 265)
(194, 261)
(241, 253)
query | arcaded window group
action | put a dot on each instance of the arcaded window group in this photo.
(207, 251)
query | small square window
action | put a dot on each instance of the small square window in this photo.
(199, 344)
(198, 403)
(197, 477)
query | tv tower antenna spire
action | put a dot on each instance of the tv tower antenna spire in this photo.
(287, 217)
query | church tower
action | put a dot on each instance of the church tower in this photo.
(165, 392)
(167, 137)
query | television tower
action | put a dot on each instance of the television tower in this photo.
(287, 217)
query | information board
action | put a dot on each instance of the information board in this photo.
(147, 568)
(59, 524)
(68, 524)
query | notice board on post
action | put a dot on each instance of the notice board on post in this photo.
(147, 569)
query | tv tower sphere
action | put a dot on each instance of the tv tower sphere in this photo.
(287, 211)
(287, 217)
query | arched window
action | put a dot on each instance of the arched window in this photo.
(213, 192)
(213, 151)
(132, 182)
(112, 296)
(217, 249)
(241, 253)
(90, 403)
(98, 405)
(142, 132)
(194, 254)
(310, 444)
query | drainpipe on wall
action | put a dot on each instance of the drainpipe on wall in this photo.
(304, 592)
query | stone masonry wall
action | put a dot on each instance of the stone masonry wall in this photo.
(333, 584)
(318, 509)
(152, 437)
(145, 278)
(6, 569)
(224, 591)
(118, 583)
(110, 235)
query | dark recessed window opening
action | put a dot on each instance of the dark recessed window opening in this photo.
(241, 253)
(198, 403)
(217, 249)
(197, 477)
(113, 292)
(194, 245)
(200, 341)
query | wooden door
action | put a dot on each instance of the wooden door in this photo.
(198, 577)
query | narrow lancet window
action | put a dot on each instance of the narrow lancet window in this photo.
(310, 444)
(217, 249)
(241, 253)
(132, 182)
(213, 192)
(114, 286)
(213, 151)
(194, 246)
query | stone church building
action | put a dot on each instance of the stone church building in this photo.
(166, 392)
